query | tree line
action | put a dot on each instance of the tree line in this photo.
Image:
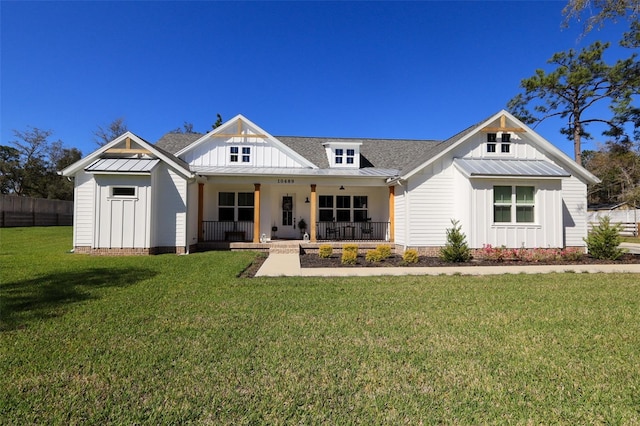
(30, 162)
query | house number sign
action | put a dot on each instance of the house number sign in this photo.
(283, 180)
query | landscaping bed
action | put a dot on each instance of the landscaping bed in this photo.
(315, 261)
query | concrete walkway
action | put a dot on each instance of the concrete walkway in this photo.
(288, 265)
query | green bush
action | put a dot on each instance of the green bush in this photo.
(456, 248)
(410, 256)
(350, 247)
(374, 256)
(604, 240)
(349, 257)
(385, 251)
(325, 251)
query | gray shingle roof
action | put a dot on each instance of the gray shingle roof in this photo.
(378, 153)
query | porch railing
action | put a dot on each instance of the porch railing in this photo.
(353, 231)
(227, 231)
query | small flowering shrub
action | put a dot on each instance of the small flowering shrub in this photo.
(325, 251)
(537, 255)
(349, 257)
(385, 251)
(374, 256)
(410, 256)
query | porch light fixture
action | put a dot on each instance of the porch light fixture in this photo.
(306, 201)
(341, 188)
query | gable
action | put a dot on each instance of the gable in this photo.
(240, 143)
(485, 141)
(127, 154)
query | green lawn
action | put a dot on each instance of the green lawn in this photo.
(179, 339)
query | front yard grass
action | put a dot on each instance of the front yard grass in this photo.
(179, 339)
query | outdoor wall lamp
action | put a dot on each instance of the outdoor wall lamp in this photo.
(341, 188)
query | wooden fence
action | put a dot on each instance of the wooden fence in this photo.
(627, 229)
(24, 211)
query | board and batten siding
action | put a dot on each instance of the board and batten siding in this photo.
(546, 231)
(574, 196)
(169, 207)
(122, 222)
(216, 153)
(84, 196)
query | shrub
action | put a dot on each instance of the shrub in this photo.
(456, 248)
(349, 257)
(604, 239)
(410, 256)
(350, 247)
(325, 251)
(385, 251)
(374, 256)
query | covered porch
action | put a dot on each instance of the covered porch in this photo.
(289, 209)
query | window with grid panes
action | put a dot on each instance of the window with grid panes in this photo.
(325, 205)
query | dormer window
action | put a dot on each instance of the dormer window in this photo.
(350, 154)
(343, 153)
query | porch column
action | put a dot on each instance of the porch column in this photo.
(256, 213)
(392, 213)
(200, 210)
(312, 220)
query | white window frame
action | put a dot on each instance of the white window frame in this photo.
(513, 205)
(239, 154)
(114, 187)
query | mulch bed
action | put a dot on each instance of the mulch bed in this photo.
(314, 261)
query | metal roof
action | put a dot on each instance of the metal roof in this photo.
(520, 168)
(283, 171)
(123, 165)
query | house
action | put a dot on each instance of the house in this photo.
(504, 183)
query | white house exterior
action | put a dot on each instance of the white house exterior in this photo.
(504, 183)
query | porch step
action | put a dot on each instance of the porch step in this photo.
(284, 248)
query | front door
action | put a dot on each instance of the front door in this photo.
(287, 217)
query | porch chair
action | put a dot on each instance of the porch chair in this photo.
(333, 232)
(366, 230)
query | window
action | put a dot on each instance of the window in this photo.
(339, 154)
(491, 137)
(227, 207)
(491, 147)
(350, 155)
(325, 203)
(234, 154)
(343, 208)
(246, 154)
(245, 206)
(340, 208)
(503, 204)
(360, 213)
(505, 147)
(123, 191)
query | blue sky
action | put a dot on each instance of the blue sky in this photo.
(421, 70)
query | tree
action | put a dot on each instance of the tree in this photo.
(29, 168)
(579, 80)
(618, 167)
(606, 10)
(187, 128)
(218, 122)
(103, 135)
